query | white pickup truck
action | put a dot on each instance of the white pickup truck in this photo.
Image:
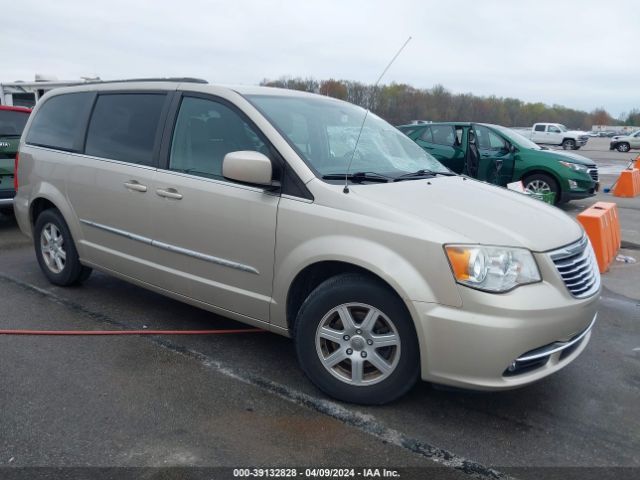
(554, 134)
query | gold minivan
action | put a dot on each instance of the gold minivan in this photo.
(285, 211)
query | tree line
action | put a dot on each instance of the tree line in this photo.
(399, 103)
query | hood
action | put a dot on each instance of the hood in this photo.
(619, 137)
(578, 133)
(475, 212)
(570, 157)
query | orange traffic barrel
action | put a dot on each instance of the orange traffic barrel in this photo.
(599, 227)
(636, 162)
(628, 184)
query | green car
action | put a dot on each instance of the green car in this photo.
(499, 155)
(12, 122)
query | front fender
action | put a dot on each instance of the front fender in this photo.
(407, 281)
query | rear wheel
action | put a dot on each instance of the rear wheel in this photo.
(623, 147)
(55, 250)
(356, 341)
(540, 183)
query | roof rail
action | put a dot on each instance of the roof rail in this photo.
(166, 79)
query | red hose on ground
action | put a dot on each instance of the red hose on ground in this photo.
(130, 332)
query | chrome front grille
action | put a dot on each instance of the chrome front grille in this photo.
(593, 171)
(578, 268)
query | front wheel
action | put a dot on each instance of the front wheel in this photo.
(541, 183)
(569, 144)
(356, 341)
(55, 250)
(623, 147)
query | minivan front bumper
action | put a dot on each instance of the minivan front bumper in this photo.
(503, 341)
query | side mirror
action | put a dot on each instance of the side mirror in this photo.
(512, 148)
(247, 167)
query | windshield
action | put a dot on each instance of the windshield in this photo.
(517, 139)
(12, 122)
(324, 132)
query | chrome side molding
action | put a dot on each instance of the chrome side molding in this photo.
(173, 248)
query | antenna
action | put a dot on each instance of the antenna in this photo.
(355, 148)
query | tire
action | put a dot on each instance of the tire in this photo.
(623, 147)
(576, 148)
(55, 250)
(568, 144)
(542, 183)
(357, 298)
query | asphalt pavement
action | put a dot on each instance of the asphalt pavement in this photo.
(241, 400)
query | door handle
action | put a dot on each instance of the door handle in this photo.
(169, 193)
(136, 186)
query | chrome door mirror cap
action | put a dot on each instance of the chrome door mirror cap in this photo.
(248, 167)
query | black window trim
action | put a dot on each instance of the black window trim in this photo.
(278, 161)
(159, 129)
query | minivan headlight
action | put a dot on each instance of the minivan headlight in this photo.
(492, 269)
(575, 166)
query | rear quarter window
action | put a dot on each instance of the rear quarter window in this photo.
(59, 122)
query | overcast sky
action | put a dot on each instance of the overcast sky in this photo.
(581, 54)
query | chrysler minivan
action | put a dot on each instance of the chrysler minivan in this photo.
(291, 212)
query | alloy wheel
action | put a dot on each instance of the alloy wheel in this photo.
(358, 344)
(538, 186)
(52, 248)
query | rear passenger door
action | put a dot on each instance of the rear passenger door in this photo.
(111, 184)
(442, 141)
(215, 237)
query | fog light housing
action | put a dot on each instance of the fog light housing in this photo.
(573, 184)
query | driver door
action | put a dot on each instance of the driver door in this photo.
(496, 158)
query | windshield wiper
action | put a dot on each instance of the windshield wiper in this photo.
(422, 173)
(359, 177)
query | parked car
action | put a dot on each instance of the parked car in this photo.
(500, 155)
(554, 134)
(261, 205)
(12, 122)
(624, 143)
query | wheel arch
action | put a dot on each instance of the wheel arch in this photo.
(311, 276)
(543, 171)
(46, 196)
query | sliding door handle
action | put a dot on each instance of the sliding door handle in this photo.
(169, 193)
